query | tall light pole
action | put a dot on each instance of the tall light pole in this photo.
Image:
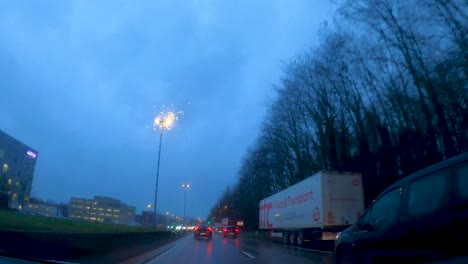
(164, 122)
(167, 219)
(186, 187)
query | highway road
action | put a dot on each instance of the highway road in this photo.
(229, 250)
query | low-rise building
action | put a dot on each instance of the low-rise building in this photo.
(101, 209)
(146, 218)
(41, 208)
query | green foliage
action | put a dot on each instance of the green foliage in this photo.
(18, 221)
(382, 95)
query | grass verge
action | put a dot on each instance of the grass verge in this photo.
(18, 221)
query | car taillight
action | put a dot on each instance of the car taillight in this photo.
(209, 228)
(237, 230)
(224, 230)
(196, 228)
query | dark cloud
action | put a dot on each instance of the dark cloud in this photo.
(79, 81)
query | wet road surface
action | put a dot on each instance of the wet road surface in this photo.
(230, 250)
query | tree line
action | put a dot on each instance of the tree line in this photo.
(384, 94)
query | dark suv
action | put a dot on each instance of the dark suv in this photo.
(423, 216)
(202, 231)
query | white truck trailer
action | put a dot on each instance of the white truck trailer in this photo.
(316, 208)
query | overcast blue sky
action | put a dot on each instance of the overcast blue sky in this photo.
(80, 81)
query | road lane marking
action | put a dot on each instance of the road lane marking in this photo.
(154, 253)
(248, 254)
(158, 255)
(289, 246)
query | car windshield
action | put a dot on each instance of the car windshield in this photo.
(128, 126)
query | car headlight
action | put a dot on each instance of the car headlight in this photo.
(336, 240)
(338, 236)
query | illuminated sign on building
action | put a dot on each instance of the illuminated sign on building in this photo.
(31, 154)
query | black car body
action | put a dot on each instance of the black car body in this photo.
(231, 231)
(202, 231)
(421, 217)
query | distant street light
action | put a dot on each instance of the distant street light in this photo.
(163, 121)
(186, 187)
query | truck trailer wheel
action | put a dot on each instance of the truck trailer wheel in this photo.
(300, 239)
(285, 238)
(292, 238)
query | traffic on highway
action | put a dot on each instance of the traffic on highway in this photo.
(234, 131)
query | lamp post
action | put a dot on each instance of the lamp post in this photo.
(167, 219)
(163, 121)
(186, 187)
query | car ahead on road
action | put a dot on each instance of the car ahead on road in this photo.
(219, 230)
(202, 231)
(419, 218)
(231, 231)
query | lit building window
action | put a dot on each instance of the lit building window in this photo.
(17, 183)
(20, 207)
(10, 181)
(5, 168)
(15, 196)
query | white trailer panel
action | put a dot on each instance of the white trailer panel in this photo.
(343, 200)
(324, 199)
(295, 207)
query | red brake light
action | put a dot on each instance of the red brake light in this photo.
(196, 228)
(209, 228)
(224, 229)
(237, 229)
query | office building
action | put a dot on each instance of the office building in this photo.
(37, 207)
(146, 218)
(101, 209)
(17, 165)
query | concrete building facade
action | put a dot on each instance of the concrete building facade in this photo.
(101, 209)
(41, 208)
(17, 165)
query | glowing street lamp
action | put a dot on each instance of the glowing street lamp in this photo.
(164, 121)
(186, 187)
